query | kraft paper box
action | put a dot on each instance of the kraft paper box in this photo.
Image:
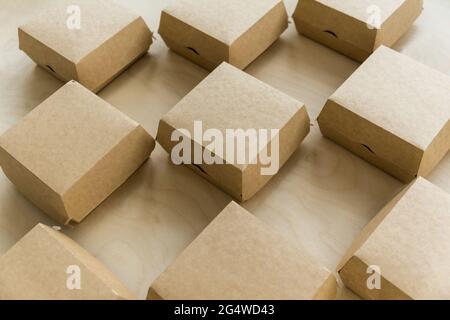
(356, 28)
(404, 252)
(238, 257)
(230, 100)
(91, 42)
(393, 112)
(209, 32)
(47, 265)
(72, 151)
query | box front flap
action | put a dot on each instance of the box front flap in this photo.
(353, 22)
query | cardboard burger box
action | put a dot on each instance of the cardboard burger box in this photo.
(394, 112)
(356, 28)
(209, 32)
(91, 42)
(404, 252)
(268, 125)
(47, 265)
(72, 151)
(238, 257)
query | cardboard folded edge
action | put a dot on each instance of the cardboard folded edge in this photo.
(353, 271)
(191, 43)
(259, 37)
(398, 23)
(115, 55)
(33, 188)
(108, 174)
(358, 45)
(376, 145)
(45, 57)
(291, 136)
(227, 177)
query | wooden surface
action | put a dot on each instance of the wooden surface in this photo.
(321, 198)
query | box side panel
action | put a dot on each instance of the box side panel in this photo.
(399, 23)
(436, 151)
(33, 188)
(45, 57)
(259, 37)
(290, 138)
(370, 142)
(114, 56)
(108, 174)
(335, 29)
(355, 276)
(225, 176)
(191, 43)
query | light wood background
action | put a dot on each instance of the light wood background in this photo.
(322, 198)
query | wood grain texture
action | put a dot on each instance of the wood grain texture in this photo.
(322, 198)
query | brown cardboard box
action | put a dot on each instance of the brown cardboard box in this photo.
(394, 112)
(72, 151)
(356, 28)
(47, 265)
(238, 257)
(209, 32)
(108, 39)
(230, 99)
(408, 244)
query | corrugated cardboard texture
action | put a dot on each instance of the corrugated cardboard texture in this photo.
(209, 32)
(343, 25)
(109, 40)
(410, 241)
(231, 99)
(393, 112)
(239, 257)
(36, 269)
(72, 151)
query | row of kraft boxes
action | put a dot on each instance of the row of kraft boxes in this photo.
(393, 111)
(403, 253)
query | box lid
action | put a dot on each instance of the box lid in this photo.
(232, 99)
(239, 257)
(410, 242)
(100, 20)
(66, 135)
(225, 21)
(400, 95)
(39, 266)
